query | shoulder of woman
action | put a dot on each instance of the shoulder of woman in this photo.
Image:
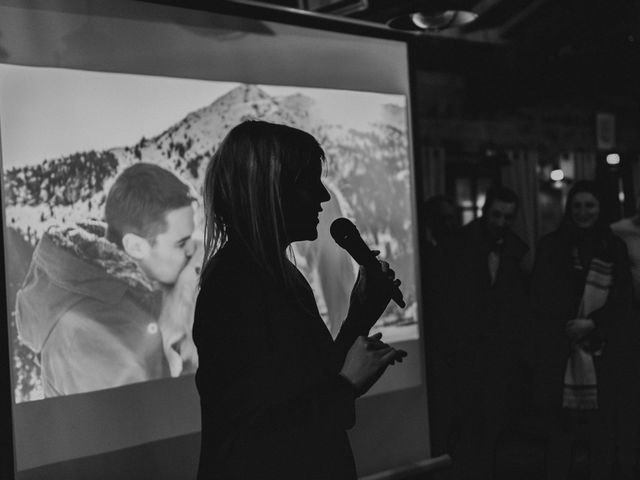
(231, 278)
(618, 245)
(615, 239)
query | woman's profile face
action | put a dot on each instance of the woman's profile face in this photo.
(585, 209)
(302, 203)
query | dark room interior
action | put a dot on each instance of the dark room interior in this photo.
(410, 101)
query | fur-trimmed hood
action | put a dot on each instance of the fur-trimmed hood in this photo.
(71, 263)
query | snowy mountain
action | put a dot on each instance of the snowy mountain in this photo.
(186, 145)
(74, 187)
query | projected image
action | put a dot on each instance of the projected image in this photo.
(100, 291)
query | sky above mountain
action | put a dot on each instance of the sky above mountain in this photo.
(49, 113)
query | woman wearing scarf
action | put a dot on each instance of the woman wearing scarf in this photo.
(582, 295)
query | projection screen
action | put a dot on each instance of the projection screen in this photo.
(90, 88)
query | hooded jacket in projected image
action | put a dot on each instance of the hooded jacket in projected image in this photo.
(90, 312)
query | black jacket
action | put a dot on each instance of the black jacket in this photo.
(273, 404)
(556, 297)
(474, 316)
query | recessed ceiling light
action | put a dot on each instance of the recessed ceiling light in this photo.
(433, 21)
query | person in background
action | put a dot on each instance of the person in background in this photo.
(628, 229)
(109, 304)
(483, 311)
(581, 294)
(439, 219)
(276, 392)
(439, 222)
(628, 369)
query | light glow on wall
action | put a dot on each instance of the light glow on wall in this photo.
(557, 175)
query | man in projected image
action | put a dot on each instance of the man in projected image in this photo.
(108, 305)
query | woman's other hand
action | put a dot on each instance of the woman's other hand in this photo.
(367, 360)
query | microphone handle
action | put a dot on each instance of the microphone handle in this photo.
(396, 296)
(374, 266)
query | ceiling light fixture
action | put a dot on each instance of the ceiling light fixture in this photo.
(613, 159)
(433, 21)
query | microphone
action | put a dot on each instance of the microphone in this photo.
(347, 236)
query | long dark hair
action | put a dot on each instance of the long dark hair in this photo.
(599, 234)
(243, 191)
(585, 186)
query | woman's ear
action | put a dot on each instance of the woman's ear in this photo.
(136, 246)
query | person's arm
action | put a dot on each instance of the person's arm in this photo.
(247, 370)
(369, 299)
(595, 327)
(246, 373)
(620, 298)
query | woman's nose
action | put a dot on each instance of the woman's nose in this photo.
(325, 195)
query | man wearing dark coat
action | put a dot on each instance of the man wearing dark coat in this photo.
(480, 320)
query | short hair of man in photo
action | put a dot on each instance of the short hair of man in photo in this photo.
(139, 200)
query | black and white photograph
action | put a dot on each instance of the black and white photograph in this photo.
(320, 240)
(66, 146)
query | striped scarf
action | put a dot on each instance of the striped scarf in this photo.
(580, 381)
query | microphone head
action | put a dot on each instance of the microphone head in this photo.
(341, 229)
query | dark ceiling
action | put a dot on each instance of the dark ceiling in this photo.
(550, 27)
(535, 47)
